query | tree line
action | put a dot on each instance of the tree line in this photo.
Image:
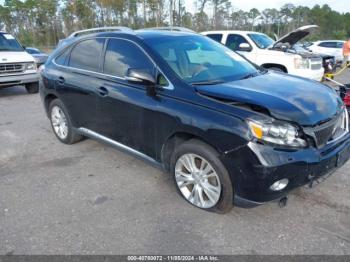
(44, 22)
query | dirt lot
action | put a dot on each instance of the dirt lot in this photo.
(90, 199)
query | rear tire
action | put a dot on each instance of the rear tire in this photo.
(208, 184)
(61, 123)
(32, 88)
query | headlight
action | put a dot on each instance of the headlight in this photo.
(276, 132)
(30, 66)
(301, 63)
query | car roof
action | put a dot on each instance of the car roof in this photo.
(152, 33)
(140, 34)
(231, 32)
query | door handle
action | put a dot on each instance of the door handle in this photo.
(61, 80)
(102, 91)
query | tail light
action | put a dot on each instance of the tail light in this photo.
(347, 98)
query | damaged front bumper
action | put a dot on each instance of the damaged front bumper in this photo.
(255, 167)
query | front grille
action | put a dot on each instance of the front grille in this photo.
(315, 63)
(331, 130)
(322, 136)
(11, 68)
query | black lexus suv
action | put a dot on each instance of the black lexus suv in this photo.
(227, 130)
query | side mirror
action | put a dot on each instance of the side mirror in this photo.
(140, 76)
(244, 47)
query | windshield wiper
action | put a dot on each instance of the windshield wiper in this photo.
(203, 83)
(250, 75)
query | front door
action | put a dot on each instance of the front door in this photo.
(126, 113)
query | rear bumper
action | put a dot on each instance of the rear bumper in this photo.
(20, 79)
(255, 167)
(316, 75)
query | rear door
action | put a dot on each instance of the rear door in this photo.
(126, 114)
(78, 82)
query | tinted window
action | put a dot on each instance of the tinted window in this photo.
(328, 44)
(62, 58)
(122, 55)
(340, 44)
(233, 41)
(216, 37)
(86, 54)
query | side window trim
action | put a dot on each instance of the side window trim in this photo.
(66, 66)
(157, 69)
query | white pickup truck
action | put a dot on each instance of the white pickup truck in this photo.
(278, 56)
(17, 67)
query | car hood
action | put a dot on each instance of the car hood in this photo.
(295, 36)
(15, 57)
(290, 98)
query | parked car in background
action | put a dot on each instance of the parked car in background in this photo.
(227, 130)
(40, 57)
(328, 47)
(17, 67)
(328, 62)
(275, 55)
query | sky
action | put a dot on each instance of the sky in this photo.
(337, 5)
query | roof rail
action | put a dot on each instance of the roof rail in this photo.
(101, 29)
(171, 28)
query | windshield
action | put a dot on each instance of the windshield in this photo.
(300, 48)
(9, 43)
(261, 40)
(200, 60)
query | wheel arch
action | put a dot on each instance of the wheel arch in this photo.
(47, 101)
(177, 139)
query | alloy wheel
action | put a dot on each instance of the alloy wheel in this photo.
(197, 180)
(59, 122)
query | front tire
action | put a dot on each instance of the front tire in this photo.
(61, 123)
(201, 178)
(32, 88)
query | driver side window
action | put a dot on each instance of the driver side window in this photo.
(122, 55)
(233, 41)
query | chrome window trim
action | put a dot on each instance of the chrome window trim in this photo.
(169, 87)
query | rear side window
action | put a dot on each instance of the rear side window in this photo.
(122, 55)
(233, 41)
(328, 44)
(62, 58)
(216, 37)
(340, 44)
(86, 55)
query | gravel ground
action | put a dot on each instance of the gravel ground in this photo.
(90, 199)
